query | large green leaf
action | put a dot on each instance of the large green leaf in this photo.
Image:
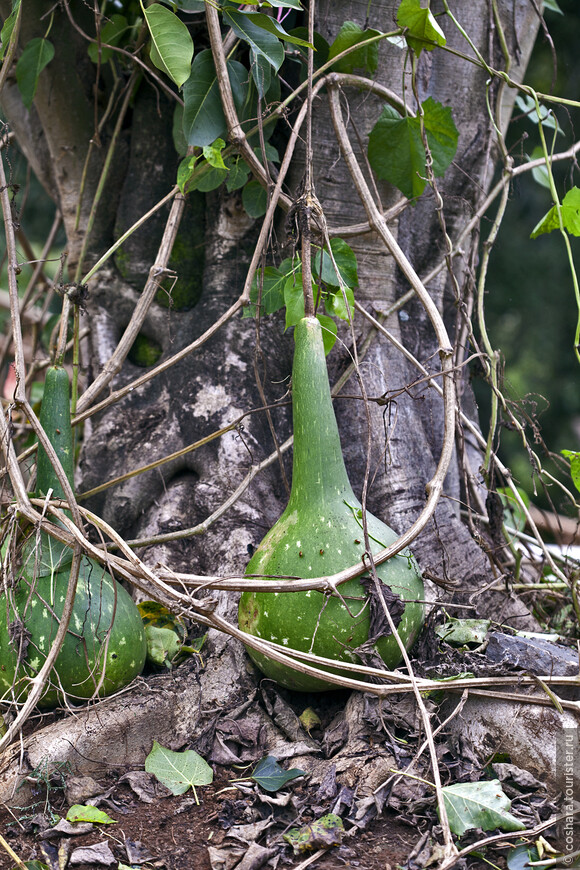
(479, 805)
(570, 212)
(178, 771)
(442, 134)
(273, 283)
(366, 57)
(238, 175)
(111, 34)
(345, 260)
(255, 199)
(203, 117)
(271, 25)
(36, 55)
(171, 43)
(422, 30)
(8, 27)
(262, 42)
(396, 151)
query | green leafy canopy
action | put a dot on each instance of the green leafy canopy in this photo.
(396, 152)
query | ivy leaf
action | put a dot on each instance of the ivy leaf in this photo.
(396, 151)
(366, 57)
(8, 27)
(36, 55)
(345, 259)
(442, 134)
(574, 458)
(423, 32)
(270, 776)
(81, 813)
(570, 212)
(239, 174)
(203, 116)
(213, 154)
(273, 283)
(111, 34)
(255, 199)
(479, 805)
(262, 42)
(209, 180)
(552, 5)
(178, 771)
(171, 43)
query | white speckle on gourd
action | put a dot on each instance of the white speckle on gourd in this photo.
(123, 641)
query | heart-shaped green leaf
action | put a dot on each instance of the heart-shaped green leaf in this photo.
(178, 771)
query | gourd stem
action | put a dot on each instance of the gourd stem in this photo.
(318, 470)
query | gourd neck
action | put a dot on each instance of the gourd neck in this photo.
(318, 472)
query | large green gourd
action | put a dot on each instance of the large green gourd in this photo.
(105, 637)
(320, 533)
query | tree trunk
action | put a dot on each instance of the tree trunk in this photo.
(215, 385)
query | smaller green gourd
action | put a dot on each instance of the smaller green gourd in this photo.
(320, 533)
(105, 645)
